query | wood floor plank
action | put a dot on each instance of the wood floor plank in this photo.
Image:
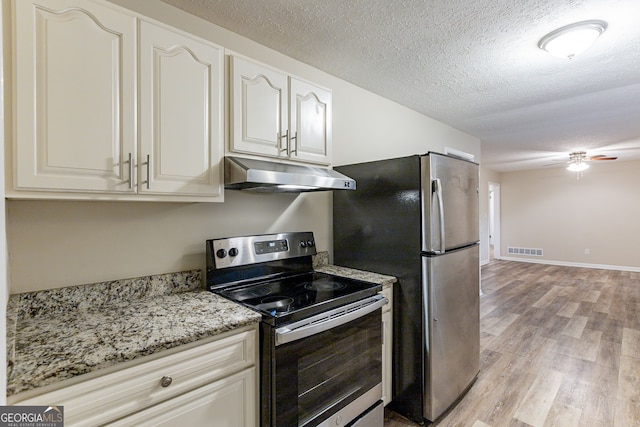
(575, 326)
(568, 310)
(562, 415)
(497, 325)
(631, 342)
(592, 296)
(537, 403)
(629, 380)
(586, 347)
(627, 414)
(548, 297)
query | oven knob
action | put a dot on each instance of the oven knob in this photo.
(310, 243)
(303, 244)
(233, 252)
(221, 253)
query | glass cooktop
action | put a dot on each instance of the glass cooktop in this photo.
(300, 296)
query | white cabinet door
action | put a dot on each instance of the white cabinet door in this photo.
(75, 103)
(259, 112)
(310, 126)
(181, 128)
(230, 402)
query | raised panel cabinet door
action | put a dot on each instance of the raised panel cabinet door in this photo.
(229, 402)
(259, 112)
(310, 123)
(181, 124)
(75, 96)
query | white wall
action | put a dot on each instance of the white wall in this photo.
(552, 210)
(58, 243)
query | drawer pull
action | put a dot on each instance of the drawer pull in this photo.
(166, 381)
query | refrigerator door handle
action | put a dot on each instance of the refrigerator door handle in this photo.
(436, 188)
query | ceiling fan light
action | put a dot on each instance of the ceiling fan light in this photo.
(577, 167)
(572, 39)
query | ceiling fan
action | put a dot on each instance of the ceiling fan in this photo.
(578, 160)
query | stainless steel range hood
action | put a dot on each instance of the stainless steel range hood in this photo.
(264, 176)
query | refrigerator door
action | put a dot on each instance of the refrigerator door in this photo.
(450, 203)
(452, 320)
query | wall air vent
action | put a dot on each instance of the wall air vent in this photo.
(524, 251)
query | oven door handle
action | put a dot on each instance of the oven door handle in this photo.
(328, 320)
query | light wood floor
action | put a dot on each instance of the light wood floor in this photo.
(560, 346)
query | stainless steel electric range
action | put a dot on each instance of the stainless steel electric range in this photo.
(320, 335)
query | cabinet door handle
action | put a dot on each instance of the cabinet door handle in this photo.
(148, 163)
(286, 141)
(166, 381)
(295, 136)
(131, 171)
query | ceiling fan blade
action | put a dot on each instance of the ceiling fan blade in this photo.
(601, 157)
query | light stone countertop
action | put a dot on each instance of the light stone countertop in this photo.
(351, 273)
(59, 334)
(321, 264)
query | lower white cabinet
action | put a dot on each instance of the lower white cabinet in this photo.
(387, 345)
(210, 384)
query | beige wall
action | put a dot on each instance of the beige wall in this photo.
(58, 243)
(552, 210)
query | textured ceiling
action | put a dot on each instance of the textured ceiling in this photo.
(473, 64)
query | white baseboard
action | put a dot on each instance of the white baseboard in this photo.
(572, 264)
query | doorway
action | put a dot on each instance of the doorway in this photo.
(494, 221)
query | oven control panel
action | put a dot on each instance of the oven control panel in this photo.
(245, 250)
(271, 246)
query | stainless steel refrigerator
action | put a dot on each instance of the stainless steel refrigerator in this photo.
(416, 218)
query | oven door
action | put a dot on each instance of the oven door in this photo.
(328, 368)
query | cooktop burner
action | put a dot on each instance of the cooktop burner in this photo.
(299, 296)
(324, 285)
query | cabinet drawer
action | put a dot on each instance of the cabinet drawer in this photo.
(229, 402)
(106, 398)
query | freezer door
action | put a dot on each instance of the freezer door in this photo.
(450, 203)
(452, 320)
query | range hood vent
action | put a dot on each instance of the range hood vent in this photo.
(270, 177)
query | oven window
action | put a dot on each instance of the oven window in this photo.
(319, 375)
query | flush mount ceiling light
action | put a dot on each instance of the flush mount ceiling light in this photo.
(572, 39)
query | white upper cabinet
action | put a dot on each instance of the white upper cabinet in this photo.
(75, 100)
(81, 130)
(275, 115)
(310, 126)
(181, 129)
(259, 110)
